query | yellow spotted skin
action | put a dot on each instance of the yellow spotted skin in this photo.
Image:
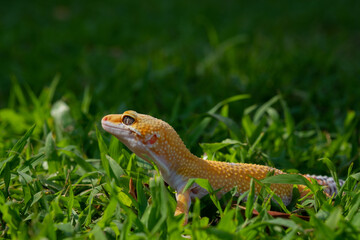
(155, 140)
(225, 176)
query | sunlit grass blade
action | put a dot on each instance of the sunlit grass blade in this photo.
(115, 168)
(227, 222)
(271, 195)
(332, 169)
(103, 152)
(108, 213)
(355, 205)
(20, 144)
(257, 132)
(253, 146)
(204, 183)
(10, 216)
(211, 148)
(287, 179)
(335, 216)
(261, 111)
(97, 233)
(6, 175)
(70, 202)
(220, 234)
(250, 200)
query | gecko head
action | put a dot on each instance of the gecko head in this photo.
(146, 136)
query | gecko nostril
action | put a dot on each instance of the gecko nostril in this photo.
(105, 118)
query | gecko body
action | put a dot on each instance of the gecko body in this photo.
(155, 140)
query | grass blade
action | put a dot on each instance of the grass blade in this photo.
(103, 152)
(205, 122)
(20, 144)
(250, 200)
(231, 125)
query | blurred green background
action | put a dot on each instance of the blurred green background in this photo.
(177, 59)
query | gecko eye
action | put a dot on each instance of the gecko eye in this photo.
(127, 120)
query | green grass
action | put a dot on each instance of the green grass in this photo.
(267, 82)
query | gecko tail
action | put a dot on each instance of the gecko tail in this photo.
(329, 182)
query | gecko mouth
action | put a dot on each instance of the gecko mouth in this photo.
(108, 125)
(119, 130)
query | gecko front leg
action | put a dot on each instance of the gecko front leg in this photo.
(183, 204)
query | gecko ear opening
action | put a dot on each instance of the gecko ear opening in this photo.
(152, 140)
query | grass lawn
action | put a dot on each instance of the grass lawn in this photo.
(280, 80)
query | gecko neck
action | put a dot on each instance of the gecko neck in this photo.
(173, 164)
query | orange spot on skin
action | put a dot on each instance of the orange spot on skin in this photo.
(152, 140)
